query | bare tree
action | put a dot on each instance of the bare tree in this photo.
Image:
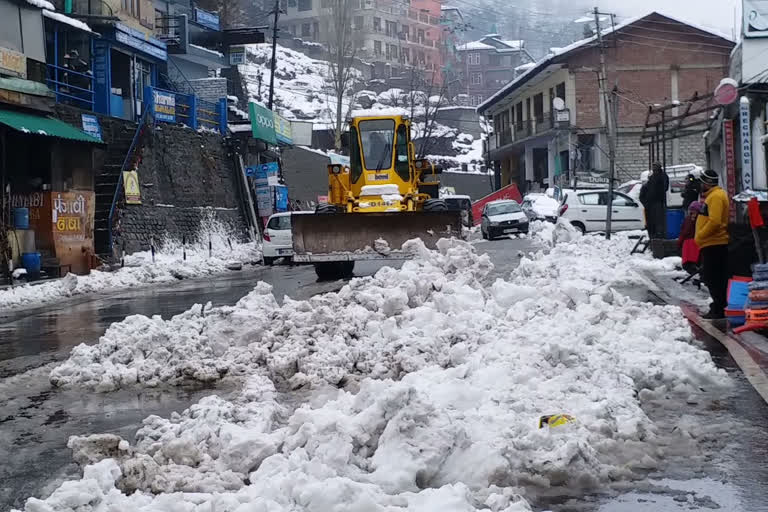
(427, 94)
(337, 37)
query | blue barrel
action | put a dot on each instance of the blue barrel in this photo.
(31, 261)
(674, 223)
(21, 218)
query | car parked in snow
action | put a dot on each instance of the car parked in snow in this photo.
(277, 238)
(587, 210)
(540, 207)
(503, 218)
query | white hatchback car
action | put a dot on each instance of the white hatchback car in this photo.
(278, 239)
(502, 218)
(587, 209)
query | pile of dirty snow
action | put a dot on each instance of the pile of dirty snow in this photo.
(169, 265)
(425, 386)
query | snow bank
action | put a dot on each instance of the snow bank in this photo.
(426, 384)
(168, 266)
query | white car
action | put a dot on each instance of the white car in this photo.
(503, 218)
(278, 239)
(540, 207)
(587, 210)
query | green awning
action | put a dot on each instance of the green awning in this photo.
(46, 126)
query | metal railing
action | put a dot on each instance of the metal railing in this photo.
(71, 86)
(505, 137)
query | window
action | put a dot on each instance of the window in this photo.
(538, 107)
(377, 137)
(281, 223)
(133, 7)
(306, 29)
(358, 22)
(622, 200)
(519, 115)
(388, 51)
(377, 47)
(391, 29)
(495, 60)
(305, 5)
(592, 199)
(377, 24)
(476, 79)
(474, 59)
(316, 30)
(420, 36)
(292, 3)
(528, 109)
(560, 91)
(405, 32)
(475, 100)
(405, 55)
(401, 154)
(394, 51)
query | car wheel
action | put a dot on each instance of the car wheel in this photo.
(269, 261)
(485, 235)
(580, 227)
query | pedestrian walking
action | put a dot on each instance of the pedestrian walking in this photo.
(656, 201)
(691, 191)
(712, 238)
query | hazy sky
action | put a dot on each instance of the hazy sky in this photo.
(714, 13)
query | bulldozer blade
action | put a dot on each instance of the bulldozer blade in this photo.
(353, 236)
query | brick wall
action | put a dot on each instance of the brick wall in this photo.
(632, 158)
(210, 89)
(184, 175)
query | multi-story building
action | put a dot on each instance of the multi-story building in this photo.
(549, 121)
(390, 34)
(489, 64)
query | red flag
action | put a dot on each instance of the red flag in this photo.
(755, 218)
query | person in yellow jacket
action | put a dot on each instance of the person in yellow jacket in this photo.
(712, 239)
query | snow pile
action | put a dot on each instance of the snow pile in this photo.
(426, 384)
(168, 266)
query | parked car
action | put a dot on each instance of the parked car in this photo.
(502, 218)
(278, 240)
(540, 207)
(463, 204)
(587, 210)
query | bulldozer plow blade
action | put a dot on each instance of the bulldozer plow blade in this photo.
(351, 236)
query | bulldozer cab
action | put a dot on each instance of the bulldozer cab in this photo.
(380, 154)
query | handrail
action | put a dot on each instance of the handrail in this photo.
(134, 142)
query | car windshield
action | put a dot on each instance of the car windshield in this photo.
(280, 223)
(503, 208)
(377, 137)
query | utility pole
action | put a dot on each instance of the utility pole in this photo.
(274, 56)
(609, 100)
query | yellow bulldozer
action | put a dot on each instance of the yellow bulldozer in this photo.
(383, 198)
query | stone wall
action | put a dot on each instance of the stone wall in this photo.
(184, 176)
(210, 89)
(632, 158)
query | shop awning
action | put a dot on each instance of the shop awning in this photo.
(46, 126)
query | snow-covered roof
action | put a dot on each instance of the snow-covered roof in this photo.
(42, 4)
(204, 49)
(474, 45)
(61, 18)
(560, 52)
(526, 66)
(514, 44)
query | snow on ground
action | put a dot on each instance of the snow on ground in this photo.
(428, 384)
(139, 269)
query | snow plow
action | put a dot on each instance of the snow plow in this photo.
(384, 198)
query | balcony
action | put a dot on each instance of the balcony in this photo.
(544, 124)
(71, 87)
(505, 137)
(523, 130)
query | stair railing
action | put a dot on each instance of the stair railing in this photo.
(126, 163)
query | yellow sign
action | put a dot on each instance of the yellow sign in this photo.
(131, 187)
(13, 62)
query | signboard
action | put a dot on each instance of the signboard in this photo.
(727, 91)
(508, 192)
(301, 133)
(13, 63)
(562, 116)
(262, 123)
(131, 187)
(236, 55)
(272, 180)
(730, 164)
(250, 172)
(281, 198)
(207, 18)
(72, 219)
(264, 201)
(164, 106)
(745, 125)
(755, 18)
(283, 130)
(91, 125)
(139, 41)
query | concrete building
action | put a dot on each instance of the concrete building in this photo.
(654, 59)
(390, 34)
(489, 64)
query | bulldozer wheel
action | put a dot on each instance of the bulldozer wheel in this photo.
(324, 208)
(435, 205)
(332, 271)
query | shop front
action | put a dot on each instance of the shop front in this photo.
(125, 63)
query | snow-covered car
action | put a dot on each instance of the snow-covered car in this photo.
(503, 218)
(540, 207)
(587, 210)
(278, 239)
(462, 204)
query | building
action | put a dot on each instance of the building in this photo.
(390, 34)
(654, 59)
(489, 64)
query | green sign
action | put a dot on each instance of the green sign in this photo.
(262, 123)
(283, 130)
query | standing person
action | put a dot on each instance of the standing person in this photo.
(691, 191)
(712, 238)
(656, 198)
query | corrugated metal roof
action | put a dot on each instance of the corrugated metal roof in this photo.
(46, 126)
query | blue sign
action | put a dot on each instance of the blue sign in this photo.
(137, 40)
(164, 106)
(91, 125)
(269, 168)
(281, 198)
(207, 18)
(250, 172)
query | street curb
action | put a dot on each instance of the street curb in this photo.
(747, 357)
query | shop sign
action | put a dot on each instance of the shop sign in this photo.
(730, 164)
(236, 55)
(70, 216)
(164, 106)
(283, 130)
(131, 187)
(746, 144)
(262, 123)
(139, 41)
(91, 125)
(207, 18)
(12, 62)
(281, 198)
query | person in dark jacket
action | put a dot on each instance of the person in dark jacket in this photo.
(656, 201)
(691, 192)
